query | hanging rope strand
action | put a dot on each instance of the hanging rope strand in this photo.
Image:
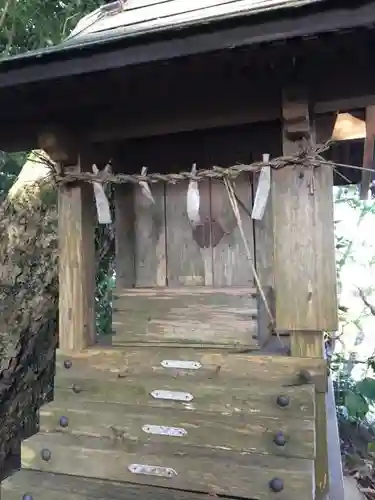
(235, 207)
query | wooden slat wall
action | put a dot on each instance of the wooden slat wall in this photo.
(230, 263)
(188, 263)
(168, 252)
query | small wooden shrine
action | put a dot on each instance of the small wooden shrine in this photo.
(215, 379)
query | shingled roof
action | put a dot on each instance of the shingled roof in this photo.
(123, 18)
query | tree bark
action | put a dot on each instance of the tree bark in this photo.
(28, 299)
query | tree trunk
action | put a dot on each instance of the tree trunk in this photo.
(28, 301)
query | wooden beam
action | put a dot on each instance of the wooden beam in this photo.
(77, 261)
(221, 113)
(361, 100)
(368, 153)
(304, 257)
(303, 224)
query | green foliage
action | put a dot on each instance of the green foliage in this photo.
(33, 24)
(366, 388)
(105, 276)
(356, 405)
(10, 167)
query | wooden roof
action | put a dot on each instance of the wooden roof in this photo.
(126, 17)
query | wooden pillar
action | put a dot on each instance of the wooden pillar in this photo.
(304, 257)
(76, 226)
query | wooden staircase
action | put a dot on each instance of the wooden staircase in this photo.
(179, 423)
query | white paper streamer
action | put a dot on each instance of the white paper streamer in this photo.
(193, 200)
(263, 190)
(101, 200)
(145, 188)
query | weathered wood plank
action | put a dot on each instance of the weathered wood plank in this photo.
(230, 263)
(256, 434)
(50, 486)
(77, 263)
(306, 295)
(125, 236)
(203, 470)
(189, 254)
(192, 314)
(263, 242)
(150, 238)
(216, 366)
(233, 396)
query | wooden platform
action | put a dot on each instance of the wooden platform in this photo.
(208, 421)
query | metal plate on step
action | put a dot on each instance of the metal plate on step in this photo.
(162, 430)
(152, 470)
(174, 395)
(181, 365)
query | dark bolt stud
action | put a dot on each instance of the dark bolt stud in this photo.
(276, 485)
(76, 389)
(67, 364)
(64, 421)
(46, 455)
(27, 496)
(306, 377)
(279, 439)
(283, 401)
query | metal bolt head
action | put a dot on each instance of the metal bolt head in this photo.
(64, 421)
(276, 485)
(46, 455)
(283, 401)
(279, 439)
(67, 364)
(306, 377)
(76, 389)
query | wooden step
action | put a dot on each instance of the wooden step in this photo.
(200, 316)
(138, 426)
(245, 475)
(230, 436)
(228, 383)
(49, 486)
(198, 365)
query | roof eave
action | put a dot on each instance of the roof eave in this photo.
(100, 39)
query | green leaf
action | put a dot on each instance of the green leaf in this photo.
(356, 404)
(366, 388)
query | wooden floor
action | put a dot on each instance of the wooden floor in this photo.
(226, 433)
